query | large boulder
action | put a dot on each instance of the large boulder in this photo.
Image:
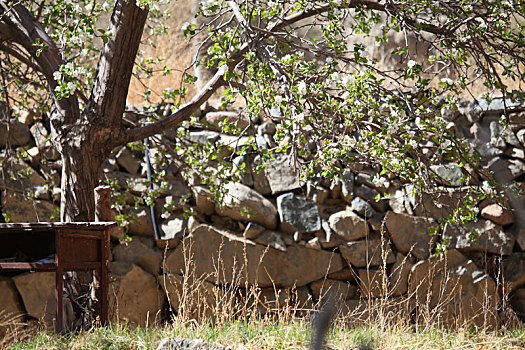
(138, 299)
(372, 252)
(37, 290)
(190, 298)
(348, 226)
(10, 302)
(298, 213)
(514, 271)
(410, 234)
(483, 235)
(243, 203)
(225, 258)
(454, 291)
(136, 252)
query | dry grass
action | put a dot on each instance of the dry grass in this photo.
(241, 318)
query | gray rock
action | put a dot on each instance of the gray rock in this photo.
(203, 137)
(473, 111)
(372, 252)
(298, 213)
(204, 200)
(243, 165)
(127, 161)
(271, 239)
(245, 263)
(282, 175)
(348, 226)
(347, 186)
(266, 129)
(243, 203)
(253, 230)
(317, 192)
(410, 234)
(40, 135)
(483, 235)
(450, 174)
(18, 135)
(399, 201)
(260, 182)
(487, 151)
(362, 207)
(369, 194)
(497, 105)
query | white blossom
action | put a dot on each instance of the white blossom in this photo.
(447, 81)
(72, 87)
(57, 76)
(348, 79)
(301, 88)
(278, 99)
(184, 26)
(411, 64)
(275, 111)
(105, 6)
(300, 117)
(222, 69)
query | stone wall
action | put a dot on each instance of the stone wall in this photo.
(289, 240)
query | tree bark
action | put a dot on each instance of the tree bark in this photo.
(85, 139)
(100, 127)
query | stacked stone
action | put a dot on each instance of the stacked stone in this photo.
(297, 240)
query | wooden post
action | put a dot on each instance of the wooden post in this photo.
(103, 203)
(103, 213)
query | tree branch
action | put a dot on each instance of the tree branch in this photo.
(111, 84)
(18, 25)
